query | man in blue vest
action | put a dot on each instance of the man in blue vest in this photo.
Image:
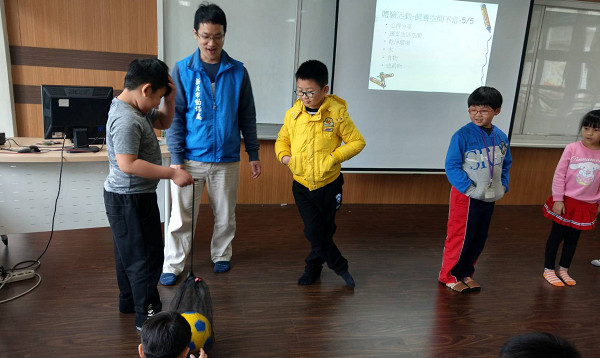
(213, 105)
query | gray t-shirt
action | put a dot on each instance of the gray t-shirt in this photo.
(128, 131)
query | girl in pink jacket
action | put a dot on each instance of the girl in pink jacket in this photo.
(573, 205)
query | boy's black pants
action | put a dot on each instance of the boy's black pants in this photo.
(137, 236)
(317, 209)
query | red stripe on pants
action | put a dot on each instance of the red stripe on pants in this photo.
(455, 235)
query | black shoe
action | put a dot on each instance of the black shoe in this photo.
(348, 279)
(309, 277)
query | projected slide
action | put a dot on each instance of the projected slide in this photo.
(433, 46)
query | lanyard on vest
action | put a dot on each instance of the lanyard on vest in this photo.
(490, 162)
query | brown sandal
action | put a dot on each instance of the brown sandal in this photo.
(473, 285)
(458, 287)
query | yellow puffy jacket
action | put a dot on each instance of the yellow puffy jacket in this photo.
(314, 142)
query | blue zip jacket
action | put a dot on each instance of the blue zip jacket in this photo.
(206, 127)
(468, 161)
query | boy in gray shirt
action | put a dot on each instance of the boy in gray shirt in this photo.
(130, 187)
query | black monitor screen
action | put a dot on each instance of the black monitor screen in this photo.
(82, 110)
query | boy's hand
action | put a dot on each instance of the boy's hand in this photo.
(182, 177)
(170, 99)
(255, 168)
(558, 207)
(285, 159)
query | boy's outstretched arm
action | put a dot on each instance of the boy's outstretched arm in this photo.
(131, 164)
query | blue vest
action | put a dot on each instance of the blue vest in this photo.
(212, 128)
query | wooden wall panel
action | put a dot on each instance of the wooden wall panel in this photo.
(530, 182)
(31, 75)
(127, 26)
(12, 22)
(30, 122)
(68, 58)
(274, 186)
(396, 188)
(531, 175)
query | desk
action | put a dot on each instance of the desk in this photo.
(29, 186)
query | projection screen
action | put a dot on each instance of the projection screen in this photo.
(407, 67)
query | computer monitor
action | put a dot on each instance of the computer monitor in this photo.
(78, 113)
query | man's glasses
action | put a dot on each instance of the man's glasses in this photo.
(484, 112)
(215, 38)
(309, 94)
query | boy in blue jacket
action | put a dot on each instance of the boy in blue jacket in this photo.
(477, 165)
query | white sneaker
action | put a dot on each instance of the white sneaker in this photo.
(596, 262)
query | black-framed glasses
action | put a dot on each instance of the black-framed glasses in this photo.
(215, 38)
(308, 94)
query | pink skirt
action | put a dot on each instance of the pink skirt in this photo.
(578, 214)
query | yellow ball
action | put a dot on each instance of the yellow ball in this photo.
(201, 331)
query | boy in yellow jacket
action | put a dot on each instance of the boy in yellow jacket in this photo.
(309, 143)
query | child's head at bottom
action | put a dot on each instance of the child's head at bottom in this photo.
(538, 344)
(165, 335)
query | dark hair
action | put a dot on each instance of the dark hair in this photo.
(313, 70)
(210, 14)
(165, 335)
(538, 344)
(485, 96)
(148, 70)
(591, 119)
